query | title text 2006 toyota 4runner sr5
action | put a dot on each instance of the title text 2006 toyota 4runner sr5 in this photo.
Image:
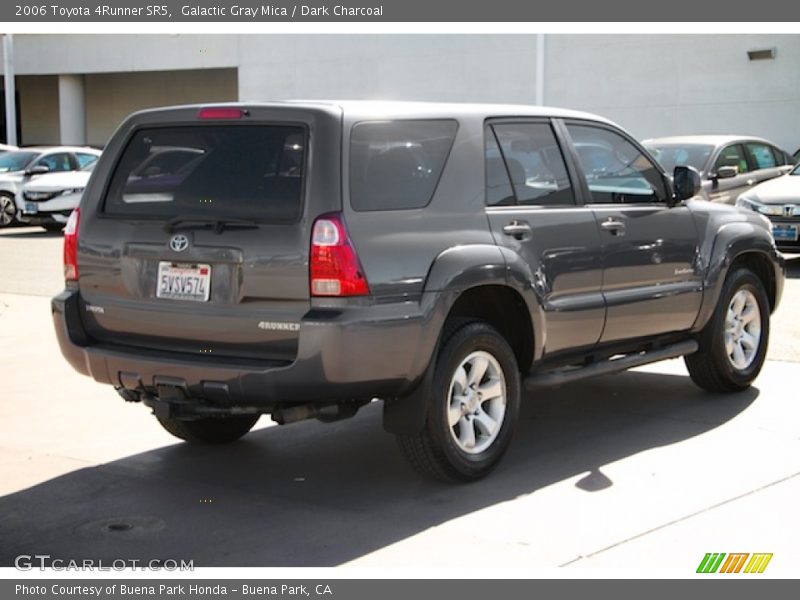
(301, 259)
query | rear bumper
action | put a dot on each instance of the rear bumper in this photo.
(360, 353)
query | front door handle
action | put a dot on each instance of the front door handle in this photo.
(613, 227)
(518, 229)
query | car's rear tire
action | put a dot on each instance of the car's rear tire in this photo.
(733, 345)
(210, 430)
(8, 210)
(473, 407)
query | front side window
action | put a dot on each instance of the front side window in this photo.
(732, 156)
(763, 158)
(56, 162)
(534, 164)
(616, 171)
(670, 156)
(211, 171)
(396, 165)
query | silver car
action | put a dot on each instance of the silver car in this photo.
(779, 201)
(728, 164)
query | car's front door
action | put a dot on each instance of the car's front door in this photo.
(727, 189)
(651, 282)
(532, 210)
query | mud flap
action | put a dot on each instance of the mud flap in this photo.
(406, 415)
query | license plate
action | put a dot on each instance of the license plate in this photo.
(180, 281)
(31, 208)
(784, 233)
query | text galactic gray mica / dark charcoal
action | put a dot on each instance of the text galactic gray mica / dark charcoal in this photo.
(494, 245)
(400, 12)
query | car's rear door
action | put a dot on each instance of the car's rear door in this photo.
(207, 253)
(533, 210)
(651, 282)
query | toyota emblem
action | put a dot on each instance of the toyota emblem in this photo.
(179, 242)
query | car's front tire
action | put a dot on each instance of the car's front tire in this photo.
(733, 345)
(210, 430)
(8, 210)
(472, 410)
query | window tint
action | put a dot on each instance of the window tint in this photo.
(670, 156)
(615, 170)
(762, 155)
(396, 165)
(534, 163)
(732, 156)
(85, 159)
(498, 184)
(15, 161)
(211, 171)
(56, 162)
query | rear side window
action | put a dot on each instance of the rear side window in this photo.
(250, 172)
(396, 165)
(534, 163)
(763, 158)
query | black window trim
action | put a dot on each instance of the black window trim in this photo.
(349, 150)
(564, 123)
(100, 210)
(564, 148)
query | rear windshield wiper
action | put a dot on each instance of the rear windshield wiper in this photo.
(218, 225)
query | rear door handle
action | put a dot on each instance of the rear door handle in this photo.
(751, 181)
(613, 227)
(518, 229)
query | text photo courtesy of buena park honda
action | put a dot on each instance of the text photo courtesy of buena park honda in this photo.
(368, 301)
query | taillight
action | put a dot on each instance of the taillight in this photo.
(221, 113)
(71, 246)
(334, 265)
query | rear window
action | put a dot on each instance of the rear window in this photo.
(250, 172)
(396, 165)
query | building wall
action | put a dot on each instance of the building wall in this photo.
(456, 68)
(113, 96)
(38, 100)
(651, 84)
(659, 85)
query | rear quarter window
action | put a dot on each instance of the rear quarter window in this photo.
(226, 171)
(396, 165)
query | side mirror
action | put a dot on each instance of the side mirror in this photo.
(38, 170)
(727, 172)
(686, 181)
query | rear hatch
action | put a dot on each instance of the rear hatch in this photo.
(194, 233)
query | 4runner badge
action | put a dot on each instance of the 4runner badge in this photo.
(179, 242)
(273, 326)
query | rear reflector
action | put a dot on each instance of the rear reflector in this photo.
(334, 266)
(71, 246)
(221, 113)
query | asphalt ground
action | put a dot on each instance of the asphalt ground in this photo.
(639, 473)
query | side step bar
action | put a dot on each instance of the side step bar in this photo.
(553, 378)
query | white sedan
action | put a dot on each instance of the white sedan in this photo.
(778, 200)
(49, 199)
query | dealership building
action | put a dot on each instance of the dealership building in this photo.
(75, 89)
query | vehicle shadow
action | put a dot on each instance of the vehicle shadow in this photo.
(310, 494)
